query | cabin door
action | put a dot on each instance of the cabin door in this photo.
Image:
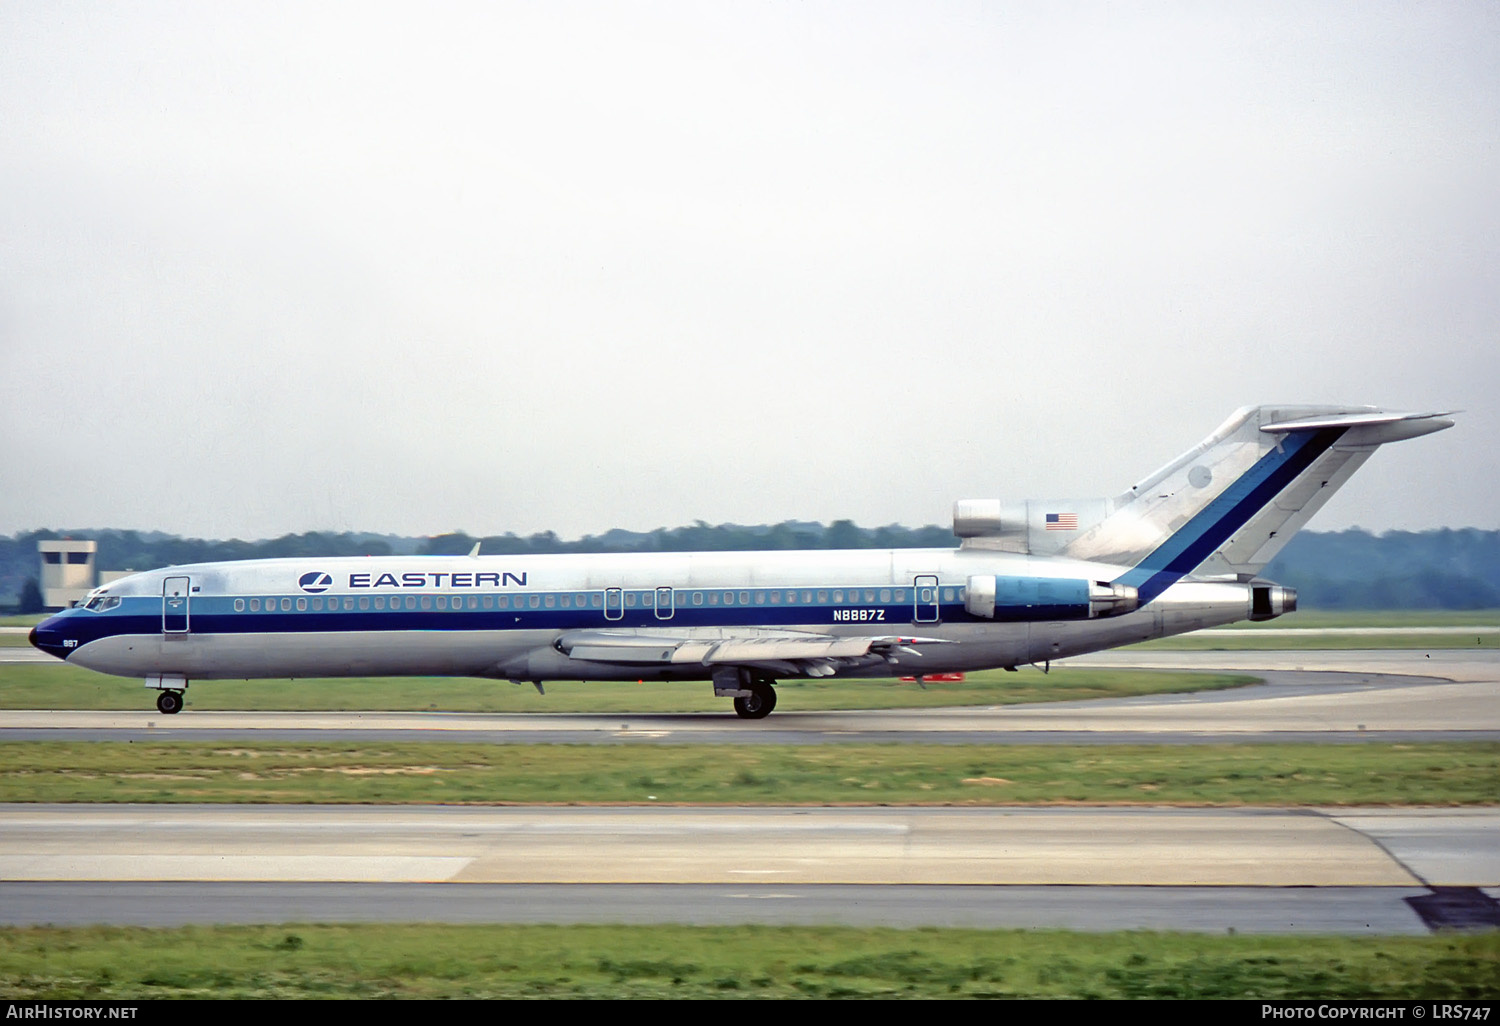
(925, 598)
(664, 603)
(174, 605)
(614, 604)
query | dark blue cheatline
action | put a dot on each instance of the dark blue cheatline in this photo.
(1201, 536)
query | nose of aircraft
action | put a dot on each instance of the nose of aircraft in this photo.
(46, 637)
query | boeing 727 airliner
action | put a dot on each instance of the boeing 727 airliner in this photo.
(1030, 582)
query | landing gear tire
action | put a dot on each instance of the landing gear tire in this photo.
(169, 702)
(759, 703)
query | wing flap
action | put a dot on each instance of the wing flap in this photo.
(809, 653)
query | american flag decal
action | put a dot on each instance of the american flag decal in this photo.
(1062, 521)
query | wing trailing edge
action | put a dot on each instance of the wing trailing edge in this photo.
(801, 651)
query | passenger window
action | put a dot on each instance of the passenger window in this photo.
(239, 605)
(286, 605)
(302, 605)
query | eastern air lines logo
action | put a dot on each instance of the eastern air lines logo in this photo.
(315, 582)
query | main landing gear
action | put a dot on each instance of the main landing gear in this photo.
(169, 702)
(758, 704)
(754, 695)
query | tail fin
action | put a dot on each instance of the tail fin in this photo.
(1225, 507)
(1229, 505)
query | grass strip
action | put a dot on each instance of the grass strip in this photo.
(1248, 641)
(417, 961)
(1408, 618)
(366, 772)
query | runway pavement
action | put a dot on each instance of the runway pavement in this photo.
(1314, 696)
(1346, 870)
(874, 845)
(1275, 910)
(1256, 870)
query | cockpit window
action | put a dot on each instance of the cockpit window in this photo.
(101, 603)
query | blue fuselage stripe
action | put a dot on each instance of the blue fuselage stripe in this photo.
(215, 615)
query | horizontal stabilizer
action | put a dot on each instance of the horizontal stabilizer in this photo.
(1428, 422)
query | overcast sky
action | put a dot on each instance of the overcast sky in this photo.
(271, 268)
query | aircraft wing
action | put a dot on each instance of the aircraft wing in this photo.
(816, 655)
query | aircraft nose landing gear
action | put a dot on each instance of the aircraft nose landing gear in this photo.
(169, 688)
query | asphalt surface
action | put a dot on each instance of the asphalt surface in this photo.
(1313, 696)
(1261, 870)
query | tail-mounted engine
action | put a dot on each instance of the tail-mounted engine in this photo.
(1268, 601)
(988, 518)
(1046, 598)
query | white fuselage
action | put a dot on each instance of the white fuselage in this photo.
(507, 616)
